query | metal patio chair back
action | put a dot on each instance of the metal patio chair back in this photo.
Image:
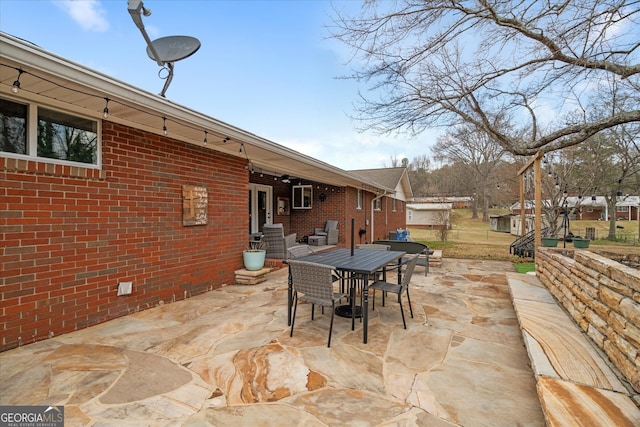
(398, 289)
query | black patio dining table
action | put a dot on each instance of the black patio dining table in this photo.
(349, 261)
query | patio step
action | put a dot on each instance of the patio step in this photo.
(251, 277)
(576, 383)
(435, 259)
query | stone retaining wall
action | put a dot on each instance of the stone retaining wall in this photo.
(603, 297)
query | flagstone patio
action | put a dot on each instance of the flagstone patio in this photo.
(225, 358)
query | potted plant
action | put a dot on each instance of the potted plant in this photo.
(549, 241)
(580, 243)
(254, 256)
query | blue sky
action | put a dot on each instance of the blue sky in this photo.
(265, 66)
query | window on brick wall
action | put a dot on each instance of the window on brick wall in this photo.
(302, 196)
(377, 205)
(33, 131)
(394, 205)
(359, 200)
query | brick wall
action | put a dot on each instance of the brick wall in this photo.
(70, 234)
(280, 189)
(337, 203)
(386, 219)
(305, 221)
(603, 297)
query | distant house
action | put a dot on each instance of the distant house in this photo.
(591, 208)
(429, 215)
(529, 207)
(456, 202)
(628, 208)
(588, 208)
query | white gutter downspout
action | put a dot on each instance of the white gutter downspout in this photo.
(372, 211)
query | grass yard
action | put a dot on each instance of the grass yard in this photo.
(524, 267)
(472, 238)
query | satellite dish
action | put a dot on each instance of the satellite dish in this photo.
(173, 48)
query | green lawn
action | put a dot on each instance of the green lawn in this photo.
(524, 267)
(472, 238)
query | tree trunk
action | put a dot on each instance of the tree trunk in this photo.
(612, 218)
(485, 209)
(474, 206)
(612, 228)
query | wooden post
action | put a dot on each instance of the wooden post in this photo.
(535, 162)
(523, 223)
(538, 197)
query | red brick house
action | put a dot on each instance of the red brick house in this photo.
(103, 183)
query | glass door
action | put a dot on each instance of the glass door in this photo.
(260, 206)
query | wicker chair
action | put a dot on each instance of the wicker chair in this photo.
(299, 251)
(313, 283)
(375, 247)
(277, 242)
(330, 230)
(403, 287)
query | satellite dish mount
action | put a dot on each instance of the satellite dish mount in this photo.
(166, 50)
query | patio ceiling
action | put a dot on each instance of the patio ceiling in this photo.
(55, 81)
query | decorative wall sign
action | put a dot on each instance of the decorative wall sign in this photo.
(283, 206)
(195, 202)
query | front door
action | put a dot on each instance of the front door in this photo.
(260, 206)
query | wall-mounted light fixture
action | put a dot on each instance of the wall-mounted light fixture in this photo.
(205, 138)
(164, 126)
(285, 179)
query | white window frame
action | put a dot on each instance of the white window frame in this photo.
(359, 199)
(32, 136)
(298, 200)
(394, 205)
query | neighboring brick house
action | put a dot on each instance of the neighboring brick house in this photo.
(103, 183)
(592, 207)
(381, 213)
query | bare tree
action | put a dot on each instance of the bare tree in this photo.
(397, 163)
(419, 175)
(477, 151)
(449, 180)
(445, 62)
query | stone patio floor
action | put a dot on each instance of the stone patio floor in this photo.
(225, 358)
